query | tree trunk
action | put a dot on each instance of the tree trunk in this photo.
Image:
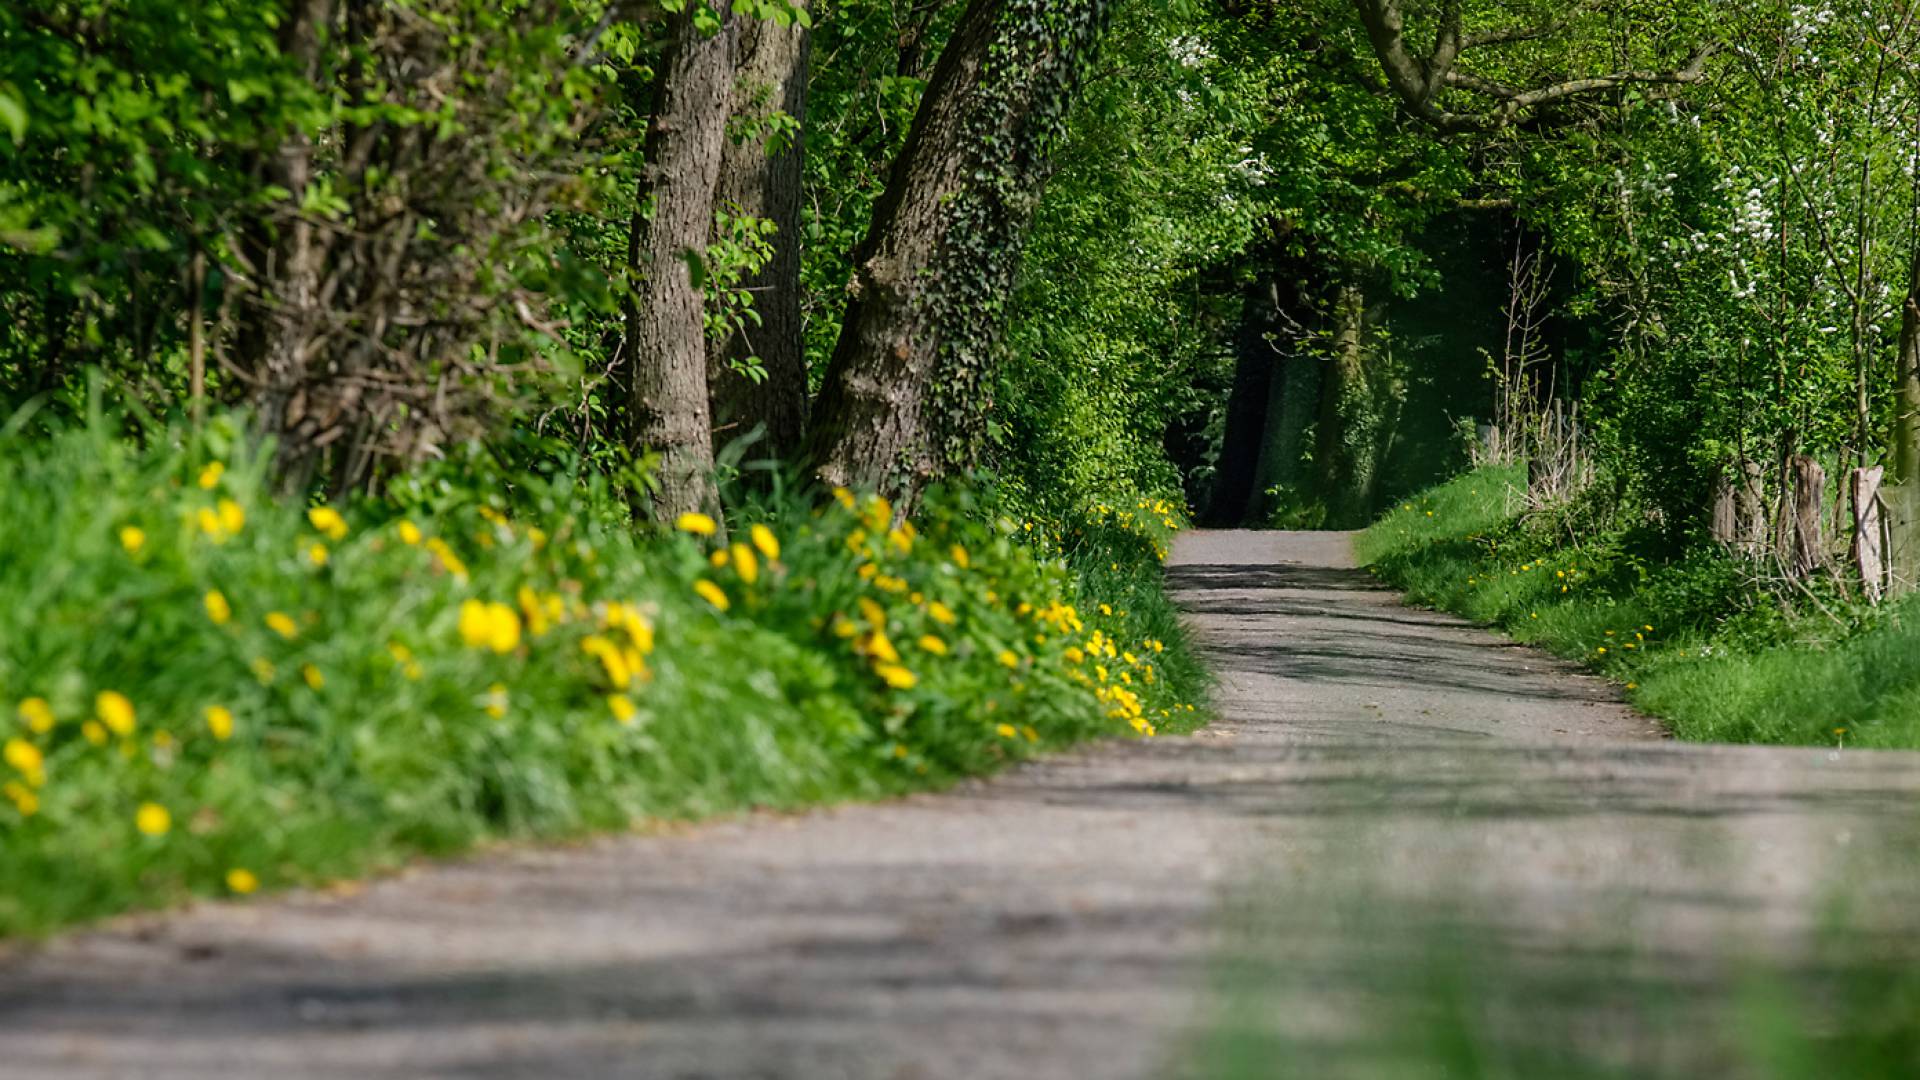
(763, 181)
(1343, 448)
(1236, 478)
(902, 398)
(666, 350)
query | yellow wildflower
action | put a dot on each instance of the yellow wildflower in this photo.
(37, 715)
(210, 476)
(25, 757)
(697, 524)
(24, 800)
(959, 556)
(133, 538)
(220, 722)
(896, 676)
(764, 539)
(712, 594)
(717, 559)
(485, 625)
(932, 644)
(745, 564)
(942, 614)
(875, 615)
(152, 819)
(1006, 731)
(880, 648)
(328, 520)
(241, 881)
(281, 623)
(1008, 658)
(497, 700)
(312, 676)
(232, 517)
(317, 554)
(115, 711)
(217, 607)
(409, 533)
(94, 733)
(623, 708)
(1074, 655)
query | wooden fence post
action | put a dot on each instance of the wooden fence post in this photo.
(1869, 549)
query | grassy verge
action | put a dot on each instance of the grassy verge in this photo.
(210, 690)
(1693, 642)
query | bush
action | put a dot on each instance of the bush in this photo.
(214, 689)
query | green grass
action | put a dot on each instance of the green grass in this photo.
(1692, 640)
(417, 682)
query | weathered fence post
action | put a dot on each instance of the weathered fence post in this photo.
(1799, 541)
(1869, 549)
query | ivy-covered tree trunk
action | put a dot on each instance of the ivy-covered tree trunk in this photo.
(665, 352)
(903, 398)
(760, 177)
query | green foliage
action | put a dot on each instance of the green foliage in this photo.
(505, 662)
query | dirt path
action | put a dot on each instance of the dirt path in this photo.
(1383, 779)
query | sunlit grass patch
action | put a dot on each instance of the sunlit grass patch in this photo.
(1691, 640)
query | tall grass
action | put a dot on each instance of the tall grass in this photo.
(209, 689)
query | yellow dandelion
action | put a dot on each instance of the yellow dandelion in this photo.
(896, 676)
(485, 625)
(152, 819)
(232, 517)
(23, 799)
(210, 476)
(880, 648)
(317, 554)
(712, 594)
(1008, 658)
(1006, 731)
(115, 711)
(409, 533)
(217, 607)
(133, 538)
(312, 677)
(241, 881)
(765, 541)
(959, 556)
(220, 722)
(942, 614)
(718, 559)
(94, 733)
(623, 708)
(37, 715)
(282, 623)
(934, 645)
(24, 757)
(328, 520)
(696, 523)
(745, 564)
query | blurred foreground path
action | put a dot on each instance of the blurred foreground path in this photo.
(1385, 786)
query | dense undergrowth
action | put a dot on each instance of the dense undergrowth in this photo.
(211, 690)
(1695, 642)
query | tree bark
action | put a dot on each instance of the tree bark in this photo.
(770, 70)
(666, 349)
(1906, 422)
(1255, 367)
(931, 278)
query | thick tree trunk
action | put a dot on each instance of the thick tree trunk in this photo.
(666, 349)
(901, 398)
(1255, 367)
(1906, 423)
(1343, 449)
(770, 73)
